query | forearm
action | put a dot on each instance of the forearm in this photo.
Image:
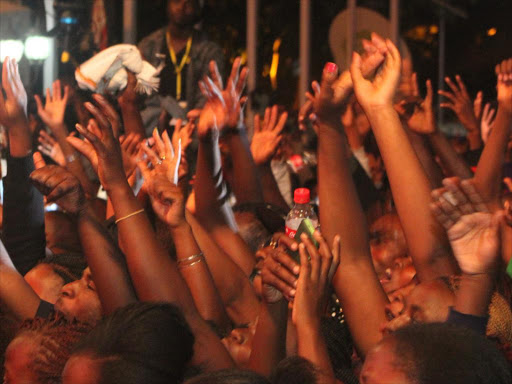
(269, 342)
(197, 275)
(474, 294)
(356, 268)
(452, 162)
(311, 346)
(20, 141)
(411, 189)
(488, 172)
(132, 120)
(73, 163)
(213, 209)
(156, 278)
(233, 285)
(426, 159)
(271, 193)
(107, 263)
(23, 215)
(246, 185)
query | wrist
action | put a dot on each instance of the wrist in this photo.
(180, 229)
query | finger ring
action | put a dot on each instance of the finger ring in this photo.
(273, 243)
(159, 162)
(162, 157)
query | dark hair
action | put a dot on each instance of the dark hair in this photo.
(141, 343)
(69, 266)
(229, 376)
(448, 354)
(295, 370)
(55, 338)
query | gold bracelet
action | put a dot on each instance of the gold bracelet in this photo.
(191, 260)
(130, 215)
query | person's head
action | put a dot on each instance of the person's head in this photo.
(183, 13)
(387, 242)
(427, 302)
(401, 274)
(40, 350)
(295, 370)
(239, 343)
(251, 229)
(140, 343)
(229, 376)
(79, 300)
(435, 353)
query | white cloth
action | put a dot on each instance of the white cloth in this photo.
(106, 71)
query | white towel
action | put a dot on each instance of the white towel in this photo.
(106, 71)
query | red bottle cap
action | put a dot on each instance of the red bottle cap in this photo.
(301, 196)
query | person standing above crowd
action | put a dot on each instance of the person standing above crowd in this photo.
(185, 54)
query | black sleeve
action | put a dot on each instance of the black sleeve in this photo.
(23, 215)
(45, 310)
(476, 323)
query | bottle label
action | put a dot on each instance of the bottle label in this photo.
(290, 232)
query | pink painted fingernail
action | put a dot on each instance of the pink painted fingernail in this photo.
(331, 67)
(293, 292)
(296, 270)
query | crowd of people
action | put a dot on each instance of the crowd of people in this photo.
(129, 257)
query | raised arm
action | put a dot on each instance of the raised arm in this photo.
(334, 177)
(154, 274)
(410, 186)
(132, 121)
(23, 209)
(212, 207)
(264, 144)
(460, 103)
(474, 235)
(489, 170)
(169, 205)
(106, 261)
(52, 115)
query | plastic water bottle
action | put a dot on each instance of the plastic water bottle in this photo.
(300, 211)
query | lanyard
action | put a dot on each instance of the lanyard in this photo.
(184, 60)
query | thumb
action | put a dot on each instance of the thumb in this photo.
(38, 160)
(355, 69)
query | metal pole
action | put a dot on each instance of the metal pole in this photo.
(441, 63)
(130, 21)
(50, 64)
(305, 48)
(351, 31)
(394, 15)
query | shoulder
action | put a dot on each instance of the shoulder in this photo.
(151, 39)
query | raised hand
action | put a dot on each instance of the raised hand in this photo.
(422, 120)
(13, 108)
(49, 146)
(166, 198)
(130, 145)
(279, 272)
(379, 92)
(460, 102)
(504, 85)
(61, 187)
(316, 272)
(267, 135)
(163, 156)
(107, 152)
(129, 95)
(232, 94)
(472, 230)
(487, 121)
(52, 114)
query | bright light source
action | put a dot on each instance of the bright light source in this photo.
(433, 29)
(491, 31)
(11, 48)
(37, 47)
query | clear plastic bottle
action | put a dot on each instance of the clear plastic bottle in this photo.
(301, 210)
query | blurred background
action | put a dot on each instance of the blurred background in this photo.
(476, 33)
